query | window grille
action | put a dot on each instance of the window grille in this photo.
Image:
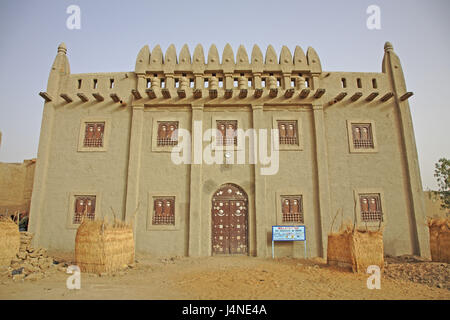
(292, 209)
(362, 136)
(164, 211)
(84, 206)
(287, 132)
(167, 133)
(94, 133)
(226, 132)
(371, 210)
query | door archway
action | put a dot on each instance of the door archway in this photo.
(229, 220)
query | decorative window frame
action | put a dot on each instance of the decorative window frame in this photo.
(372, 224)
(71, 207)
(163, 117)
(352, 148)
(178, 211)
(226, 116)
(279, 213)
(289, 117)
(106, 134)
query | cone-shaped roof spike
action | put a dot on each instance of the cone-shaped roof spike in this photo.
(185, 55)
(213, 58)
(300, 61)
(62, 48)
(156, 56)
(142, 59)
(271, 55)
(241, 56)
(257, 56)
(228, 55)
(199, 56)
(170, 57)
(313, 60)
(388, 46)
(285, 56)
(198, 62)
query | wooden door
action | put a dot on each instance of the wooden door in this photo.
(229, 221)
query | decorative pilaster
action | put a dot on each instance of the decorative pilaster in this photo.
(260, 192)
(323, 184)
(60, 69)
(195, 197)
(417, 219)
(134, 165)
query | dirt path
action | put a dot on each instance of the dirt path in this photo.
(221, 278)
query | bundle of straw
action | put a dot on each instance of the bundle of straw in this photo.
(439, 239)
(355, 249)
(102, 247)
(9, 240)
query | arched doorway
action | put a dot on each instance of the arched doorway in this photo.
(229, 220)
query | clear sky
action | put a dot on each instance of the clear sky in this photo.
(112, 33)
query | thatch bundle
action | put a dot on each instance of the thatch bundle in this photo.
(102, 247)
(356, 249)
(440, 239)
(9, 240)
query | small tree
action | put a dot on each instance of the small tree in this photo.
(442, 173)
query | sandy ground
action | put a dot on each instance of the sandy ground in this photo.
(234, 277)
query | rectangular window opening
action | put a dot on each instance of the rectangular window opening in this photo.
(163, 211)
(344, 83)
(288, 132)
(371, 210)
(167, 133)
(226, 134)
(358, 82)
(362, 136)
(374, 83)
(292, 209)
(94, 134)
(84, 208)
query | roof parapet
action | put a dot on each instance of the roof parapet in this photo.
(156, 61)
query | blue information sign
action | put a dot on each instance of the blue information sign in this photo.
(288, 233)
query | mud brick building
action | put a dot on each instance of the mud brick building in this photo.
(345, 142)
(16, 182)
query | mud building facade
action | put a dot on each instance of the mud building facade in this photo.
(345, 143)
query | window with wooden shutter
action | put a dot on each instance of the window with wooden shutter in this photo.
(93, 135)
(226, 132)
(167, 133)
(287, 132)
(84, 207)
(362, 136)
(292, 209)
(371, 210)
(163, 211)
